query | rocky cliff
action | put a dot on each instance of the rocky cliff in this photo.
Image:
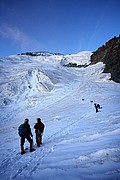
(109, 54)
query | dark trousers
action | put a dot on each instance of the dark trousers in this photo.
(38, 138)
(28, 139)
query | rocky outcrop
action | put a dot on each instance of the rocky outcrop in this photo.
(109, 54)
(41, 53)
(75, 65)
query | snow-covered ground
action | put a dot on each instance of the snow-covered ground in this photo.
(78, 143)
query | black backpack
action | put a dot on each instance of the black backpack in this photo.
(22, 130)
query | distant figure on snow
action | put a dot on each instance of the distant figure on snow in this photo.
(39, 128)
(97, 106)
(24, 132)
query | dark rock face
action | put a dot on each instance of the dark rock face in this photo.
(75, 65)
(109, 54)
(41, 53)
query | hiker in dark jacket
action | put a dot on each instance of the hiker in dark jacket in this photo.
(25, 133)
(97, 107)
(39, 128)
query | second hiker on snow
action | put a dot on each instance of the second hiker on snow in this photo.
(39, 128)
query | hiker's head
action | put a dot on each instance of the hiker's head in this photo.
(38, 120)
(26, 121)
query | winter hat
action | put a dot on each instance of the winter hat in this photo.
(38, 119)
(26, 120)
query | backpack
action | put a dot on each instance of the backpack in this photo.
(22, 130)
(39, 126)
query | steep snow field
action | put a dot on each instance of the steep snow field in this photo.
(78, 143)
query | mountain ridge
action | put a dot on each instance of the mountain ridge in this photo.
(109, 54)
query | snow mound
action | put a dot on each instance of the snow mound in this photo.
(39, 81)
(82, 58)
(31, 80)
(96, 70)
(102, 155)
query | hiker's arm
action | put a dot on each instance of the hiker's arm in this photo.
(30, 132)
(35, 126)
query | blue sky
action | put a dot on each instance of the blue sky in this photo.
(64, 26)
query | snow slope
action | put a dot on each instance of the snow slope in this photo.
(82, 58)
(78, 143)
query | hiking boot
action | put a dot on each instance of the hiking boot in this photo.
(32, 149)
(23, 152)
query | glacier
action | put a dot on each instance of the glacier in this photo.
(78, 143)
